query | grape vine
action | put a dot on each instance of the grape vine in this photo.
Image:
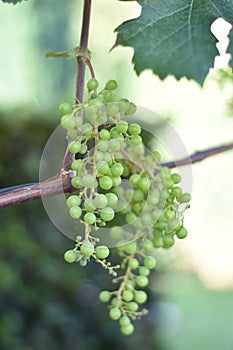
(122, 189)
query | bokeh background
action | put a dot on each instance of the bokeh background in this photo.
(46, 303)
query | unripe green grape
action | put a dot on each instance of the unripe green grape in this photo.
(77, 164)
(98, 156)
(112, 109)
(184, 198)
(127, 295)
(131, 109)
(100, 201)
(147, 219)
(102, 252)
(68, 121)
(114, 134)
(134, 129)
(102, 118)
(130, 217)
(172, 225)
(156, 155)
(143, 184)
(142, 281)
(124, 321)
(176, 178)
(83, 262)
(87, 129)
(115, 302)
(111, 85)
(182, 232)
(104, 134)
(75, 182)
(132, 306)
(176, 191)
(72, 133)
(112, 199)
(122, 126)
(70, 256)
(65, 108)
(89, 205)
(92, 84)
(105, 182)
(169, 214)
(74, 147)
(116, 181)
(90, 218)
(158, 242)
(73, 201)
(108, 158)
(102, 167)
(83, 149)
(149, 262)
(103, 146)
(123, 104)
(75, 212)
(115, 313)
(88, 180)
(91, 114)
(134, 179)
(128, 329)
(109, 96)
(148, 246)
(140, 297)
(137, 207)
(130, 248)
(168, 240)
(126, 171)
(105, 296)
(144, 271)
(87, 249)
(114, 145)
(117, 169)
(138, 195)
(133, 263)
(107, 214)
(135, 140)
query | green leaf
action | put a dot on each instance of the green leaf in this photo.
(63, 54)
(12, 1)
(173, 36)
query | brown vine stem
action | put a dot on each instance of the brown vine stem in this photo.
(81, 68)
(61, 183)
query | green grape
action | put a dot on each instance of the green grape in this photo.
(124, 321)
(126, 171)
(87, 249)
(130, 217)
(114, 145)
(111, 198)
(143, 184)
(92, 84)
(88, 181)
(134, 179)
(104, 134)
(148, 246)
(176, 178)
(115, 313)
(142, 281)
(172, 225)
(107, 214)
(70, 256)
(128, 329)
(102, 118)
(138, 195)
(65, 108)
(112, 109)
(182, 232)
(176, 191)
(105, 182)
(98, 156)
(140, 296)
(73, 201)
(87, 129)
(83, 262)
(75, 182)
(127, 295)
(89, 205)
(132, 306)
(168, 241)
(122, 126)
(133, 263)
(111, 85)
(144, 271)
(100, 201)
(74, 147)
(102, 252)
(108, 158)
(77, 164)
(134, 129)
(105, 296)
(131, 109)
(169, 214)
(75, 212)
(91, 114)
(116, 181)
(83, 149)
(184, 198)
(158, 242)
(103, 146)
(117, 169)
(68, 121)
(109, 96)
(130, 248)
(156, 156)
(90, 218)
(115, 302)
(103, 168)
(149, 262)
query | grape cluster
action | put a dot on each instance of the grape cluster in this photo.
(118, 180)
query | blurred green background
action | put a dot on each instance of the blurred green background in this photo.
(46, 303)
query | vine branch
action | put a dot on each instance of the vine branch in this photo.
(61, 183)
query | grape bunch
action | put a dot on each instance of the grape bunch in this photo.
(123, 195)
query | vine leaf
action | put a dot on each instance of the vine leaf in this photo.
(174, 37)
(12, 1)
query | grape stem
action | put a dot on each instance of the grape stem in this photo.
(62, 182)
